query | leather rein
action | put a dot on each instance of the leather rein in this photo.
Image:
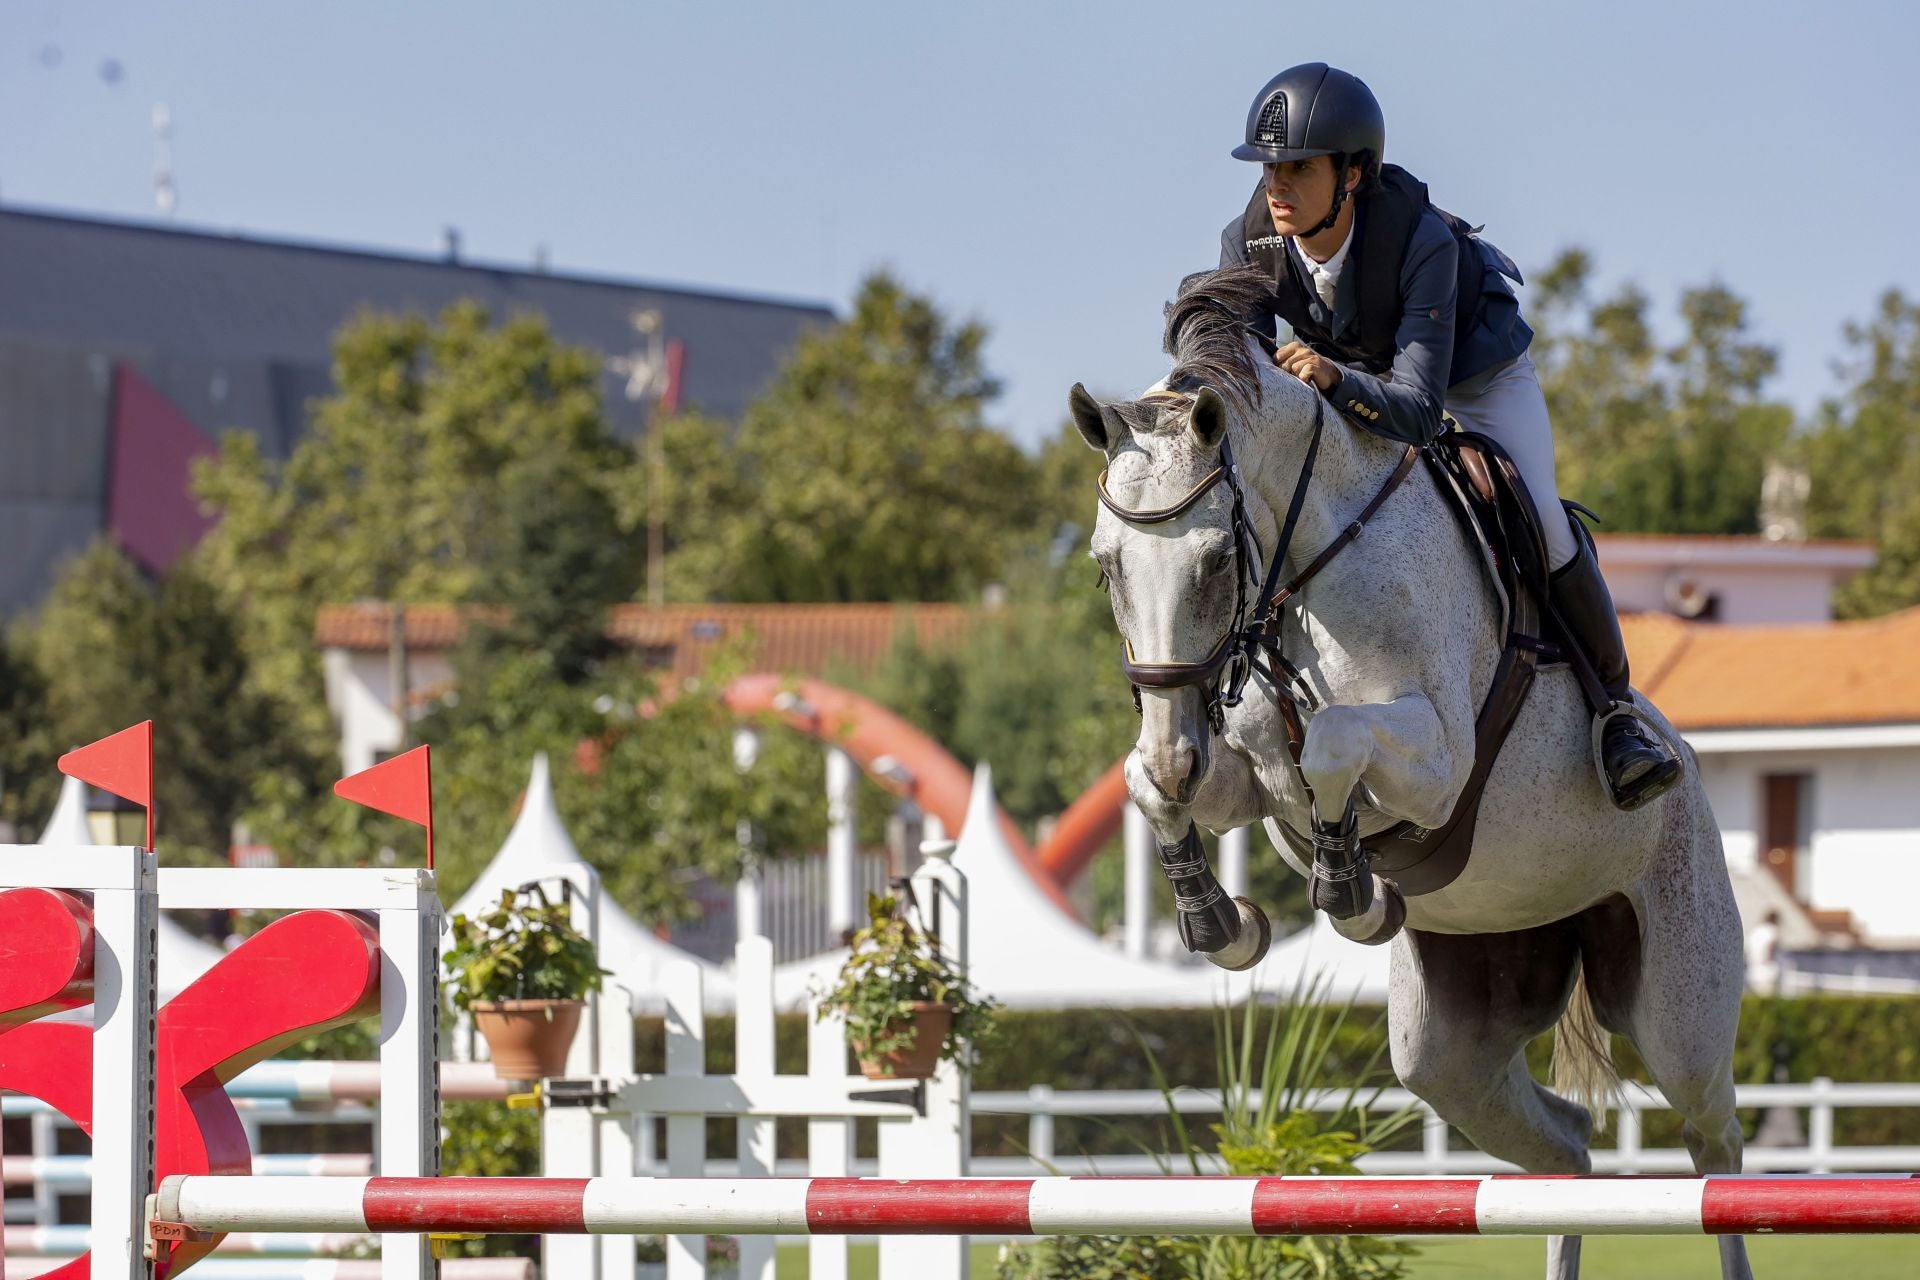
(1253, 638)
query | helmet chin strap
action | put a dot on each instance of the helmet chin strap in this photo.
(1339, 198)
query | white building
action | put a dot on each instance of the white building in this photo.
(1728, 579)
(1809, 743)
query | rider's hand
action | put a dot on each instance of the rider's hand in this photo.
(1306, 364)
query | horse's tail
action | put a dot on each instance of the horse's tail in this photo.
(1583, 1067)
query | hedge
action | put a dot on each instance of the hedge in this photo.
(1846, 1038)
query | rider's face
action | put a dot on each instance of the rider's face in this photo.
(1299, 193)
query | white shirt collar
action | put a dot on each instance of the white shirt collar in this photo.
(1331, 267)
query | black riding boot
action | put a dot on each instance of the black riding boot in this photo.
(1638, 764)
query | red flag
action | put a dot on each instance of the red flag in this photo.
(120, 763)
(676, 362)
(402, 786)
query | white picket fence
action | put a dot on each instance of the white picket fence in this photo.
(600, 1120)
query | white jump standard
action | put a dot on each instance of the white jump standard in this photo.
(1213, 1206)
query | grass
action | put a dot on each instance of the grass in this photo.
(1602, 1258)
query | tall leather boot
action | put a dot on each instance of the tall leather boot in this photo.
(1638, 764)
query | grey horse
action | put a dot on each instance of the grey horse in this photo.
(1569, 912)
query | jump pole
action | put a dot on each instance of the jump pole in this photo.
(1212, 1206)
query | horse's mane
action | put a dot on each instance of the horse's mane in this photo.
(1206, 332)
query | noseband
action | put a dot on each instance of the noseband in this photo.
(1252, 639)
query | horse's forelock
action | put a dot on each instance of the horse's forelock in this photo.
(1206, 333)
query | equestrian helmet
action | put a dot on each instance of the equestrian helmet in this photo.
(1313, 110)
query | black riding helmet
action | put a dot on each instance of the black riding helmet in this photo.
(1314, 110)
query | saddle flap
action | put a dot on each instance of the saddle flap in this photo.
(1490, 492)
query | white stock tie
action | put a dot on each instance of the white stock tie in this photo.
(1323, 285)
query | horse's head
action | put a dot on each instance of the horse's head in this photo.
(1164, 539)
(1179, 530)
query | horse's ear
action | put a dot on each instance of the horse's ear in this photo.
(1087, 417)
(1209, 417)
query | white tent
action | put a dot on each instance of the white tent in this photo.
(1027, 953)
(539, 846)
(182, 957)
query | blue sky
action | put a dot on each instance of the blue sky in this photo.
(1051, 169)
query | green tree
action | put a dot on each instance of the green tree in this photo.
(459, 462)
(113, 647)
(467, 462)
(865, 472)
(1863, 458)
(463, 462)
(646, 780)
(1672, 440)
(28, 783)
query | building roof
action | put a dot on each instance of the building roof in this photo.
(231, 332)
(210, 300)
(680, 638)
(1703, 675)
(1657, 549)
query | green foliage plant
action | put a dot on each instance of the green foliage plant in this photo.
(1279, 1116)
(525, 948)
(866, 471)
(892, 966)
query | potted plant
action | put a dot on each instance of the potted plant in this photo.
(908, 1007)
(523, 971)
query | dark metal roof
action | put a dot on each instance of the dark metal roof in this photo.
(236, 332)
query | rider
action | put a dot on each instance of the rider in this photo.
(1435, 327)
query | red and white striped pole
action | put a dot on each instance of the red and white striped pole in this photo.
(1218, 1206)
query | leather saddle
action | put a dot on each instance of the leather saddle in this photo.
(1484, 490)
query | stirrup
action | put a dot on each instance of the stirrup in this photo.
(1630, 710)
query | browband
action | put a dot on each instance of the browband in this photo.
(1164, 514)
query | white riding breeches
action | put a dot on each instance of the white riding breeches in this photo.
(1506, 403)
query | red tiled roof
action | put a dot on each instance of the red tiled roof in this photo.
(1707, 676)
(803, 638)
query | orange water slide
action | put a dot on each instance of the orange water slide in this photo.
(870, 733)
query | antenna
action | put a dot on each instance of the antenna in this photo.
(164, 196)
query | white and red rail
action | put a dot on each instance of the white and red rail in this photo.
(1221, 1206)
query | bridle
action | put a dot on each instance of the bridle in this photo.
(1252, 639)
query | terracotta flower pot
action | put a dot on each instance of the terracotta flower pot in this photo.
(919, 1060)
(525, 1042)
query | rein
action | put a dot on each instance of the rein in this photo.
(1248, 642)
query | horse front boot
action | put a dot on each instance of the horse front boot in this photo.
(1363, 907)
(1635, 762)
(1231, 932)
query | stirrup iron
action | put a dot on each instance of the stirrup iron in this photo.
(1627, 709)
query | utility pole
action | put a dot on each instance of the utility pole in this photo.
(651, 373)
(164, 194)
(397, 672)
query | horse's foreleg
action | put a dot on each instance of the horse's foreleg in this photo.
(1231, 932)
(1399, 749)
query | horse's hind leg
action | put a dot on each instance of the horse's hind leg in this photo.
(1669, 978)
(1461, 1009)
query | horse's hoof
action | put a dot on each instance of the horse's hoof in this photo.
(1250, 948)
(1379, 922)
